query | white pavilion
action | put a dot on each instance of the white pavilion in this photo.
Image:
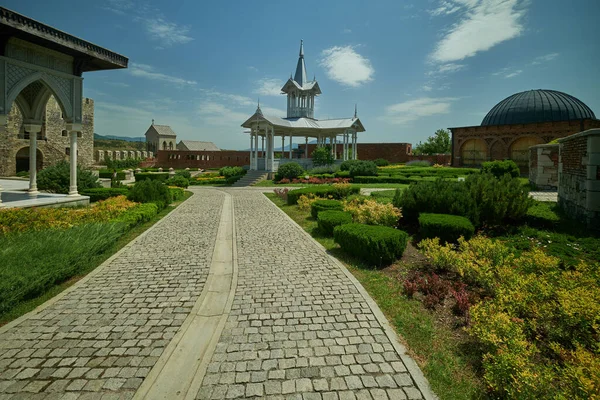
(300, 123)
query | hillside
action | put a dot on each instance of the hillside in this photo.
(110, 142)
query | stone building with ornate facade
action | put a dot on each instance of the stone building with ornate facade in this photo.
(518, 122)
(53, 143)
(160, 137)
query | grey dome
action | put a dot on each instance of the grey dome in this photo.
(537, 106)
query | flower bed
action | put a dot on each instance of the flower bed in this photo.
(314, 181)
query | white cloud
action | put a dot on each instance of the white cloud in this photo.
(347, 31)
(513, 74)
(448, 68)
(269, 87)
(252, 68)
(118, 84)
(147, 71)
(120, 7)
(167, 33)
(508, 72)
(344, 65)
(483, 25)
(426, 88)
(411, 110)
(544, 59)
(215, 113)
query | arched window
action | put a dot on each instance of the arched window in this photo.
(164, 145)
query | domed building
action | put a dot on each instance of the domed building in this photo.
(518, 122)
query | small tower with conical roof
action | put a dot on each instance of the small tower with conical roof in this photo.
(300, 92)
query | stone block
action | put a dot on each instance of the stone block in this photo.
(593, 158)
(593, 201)
(593, 144)
(138, 154)
(144, 154)
(592, 171)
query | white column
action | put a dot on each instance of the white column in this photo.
(272, 148)
(256, 148)
(306, 147)
(263, 146)
(73, 162)
(33, 132)
(354, 152)
(291, 143)
(251, 154)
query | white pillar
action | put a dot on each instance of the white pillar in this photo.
(251, 154)
(256, 148)
(272, 148)
(291, 142)
(263, 146)
(33, 132)
(73, 162)
(354, 153)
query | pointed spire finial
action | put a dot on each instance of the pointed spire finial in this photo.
(301, 48)
(258, 110)
(152, 121)
(355, 111)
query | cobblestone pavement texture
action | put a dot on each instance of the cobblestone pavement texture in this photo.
(101, 339)
(298, 328)
(544, 196)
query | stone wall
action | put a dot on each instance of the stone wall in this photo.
(53, 142)
(497, 140)
(102, 155)
(202, 159)
(543, 166)
(579, 177)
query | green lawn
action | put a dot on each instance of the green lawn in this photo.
(84, 263)
(443, 358)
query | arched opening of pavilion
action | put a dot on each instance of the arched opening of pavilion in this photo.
(22, 159)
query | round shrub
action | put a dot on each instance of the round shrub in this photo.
(178, 180)
(184, 173)
(289, 171)
(363, 168)
(57, 178)
(322, 205)
(446, 227)
(375, 245)
(328, 220)
(158, 176)
(228, 172)
(501, 168)
(345, 166)
(322, 156)
(150, 191)
(381, 162)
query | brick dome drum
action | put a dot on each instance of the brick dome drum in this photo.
(537, 106)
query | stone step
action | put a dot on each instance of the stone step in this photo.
(250, 178)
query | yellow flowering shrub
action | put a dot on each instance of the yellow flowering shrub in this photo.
(370, 212)
(26, 219)
(305, 201)
(538, 324)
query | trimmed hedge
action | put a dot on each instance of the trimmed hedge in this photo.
(374, 244)
(363, 168)
(323, 205)
(179, 181)
(177, 193)
(137, 215)
(329, 219)
(228, 172)
(97, 194)
(150, 191)
(290, 171)
(446, 227)
(345, 166)
(500, 168)
(108, 174)
(154, 176)
(543, 215)
(387, 179)
(320, 191)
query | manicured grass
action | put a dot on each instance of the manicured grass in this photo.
(270, 183)
(443, 357)
(88, 263)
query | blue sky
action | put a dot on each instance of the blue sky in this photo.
(411, 66)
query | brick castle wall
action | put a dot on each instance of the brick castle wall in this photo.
(579, 177)
(497, 140)
(202, 159)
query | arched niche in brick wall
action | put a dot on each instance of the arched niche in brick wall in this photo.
(519, 149)
(498, 150)
(473, 152)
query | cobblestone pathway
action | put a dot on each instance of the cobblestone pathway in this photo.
(298, 328)
(101, 339)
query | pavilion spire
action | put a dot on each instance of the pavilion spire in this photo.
(300, 76)
(355, 111)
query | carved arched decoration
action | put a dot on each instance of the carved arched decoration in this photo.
(39, 97)
(498, 150)
(473, 152)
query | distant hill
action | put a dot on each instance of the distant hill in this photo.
(124, 138)
(111, 142)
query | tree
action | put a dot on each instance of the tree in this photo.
(439, 143)
(322, 156)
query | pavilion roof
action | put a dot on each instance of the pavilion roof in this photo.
(306, 123)
(90, 57)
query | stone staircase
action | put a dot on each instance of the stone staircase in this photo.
(250, 178)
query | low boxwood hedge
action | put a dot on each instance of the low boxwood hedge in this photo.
(374, 244)
(108, 174)
(445, 226)
(138, 214)
(320, 191)
(97, 194)
(322, 205)
(542, 215)
(387, 179)
(155, 176)
(177, 193)
(329, 219)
